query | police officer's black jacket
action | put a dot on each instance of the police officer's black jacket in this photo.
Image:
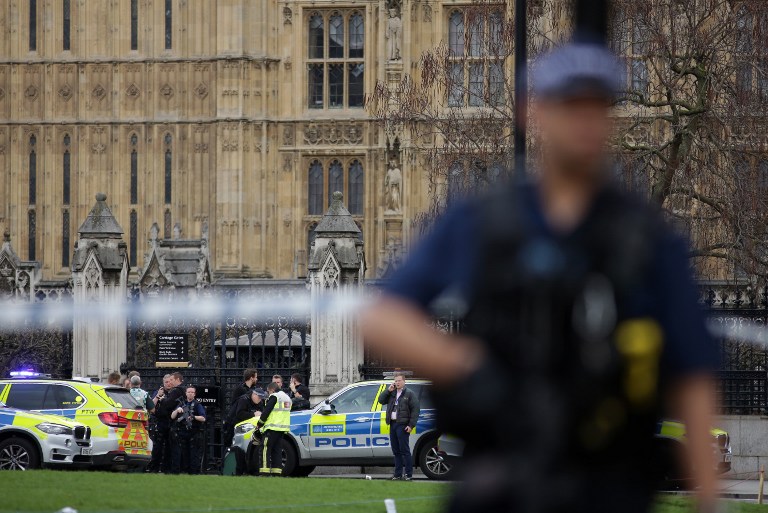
(238, 391)
(407, 407)
(245, 408)
(169, 403)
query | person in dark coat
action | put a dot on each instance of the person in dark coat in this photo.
(249, 381)
(299, 393)
(401, 417)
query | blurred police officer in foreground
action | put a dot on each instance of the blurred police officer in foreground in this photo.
(578, 300)
(187, 434)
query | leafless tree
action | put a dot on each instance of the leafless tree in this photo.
(691, 123)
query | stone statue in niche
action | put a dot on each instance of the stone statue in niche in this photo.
(394, 34)
(393, 188)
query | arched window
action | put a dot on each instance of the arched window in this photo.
(32, 170)
(66, 170)
(134, 169)
(356, 36)
(336, 37)
(315, 181)
(335, 179)
(456, 33)
(316, 37)
(32, 25)
(65, 239)
(32, 234)
(134, 24)
(168, 169)
(168, 24)
(134, 229)
(66, 22)
(356, 187)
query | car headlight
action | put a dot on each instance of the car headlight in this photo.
(54, 429)
(244, 428)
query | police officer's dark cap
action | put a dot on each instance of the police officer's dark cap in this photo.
(259, 391)
(578, 69)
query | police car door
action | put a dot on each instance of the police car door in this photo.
(345, 432)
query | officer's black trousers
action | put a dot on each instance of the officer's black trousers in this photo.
(272, 453)
(186, 451)
(161, 450)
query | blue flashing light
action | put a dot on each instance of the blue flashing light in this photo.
(28, 374)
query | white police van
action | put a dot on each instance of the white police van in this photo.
(349, 429)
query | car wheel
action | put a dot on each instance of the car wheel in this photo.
(18, 454)
(432, 464)
(304, 471)
(290, 459)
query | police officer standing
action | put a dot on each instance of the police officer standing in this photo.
(187, 434)
(578, 299)
(166, 400)
(275, 422)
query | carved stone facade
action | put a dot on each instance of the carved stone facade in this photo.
(210, 123)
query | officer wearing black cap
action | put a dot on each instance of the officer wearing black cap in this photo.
(249, 405)
(577, 302)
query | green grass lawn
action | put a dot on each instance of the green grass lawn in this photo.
(101, 492)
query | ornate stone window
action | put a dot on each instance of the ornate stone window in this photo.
(631, 44)
(65, 238)
(32, 169)
(66, 162)
(356, 181)
(168, 24)
(134, 169)
(66, 22)
(315, 180)
(31, 234)
(134, 24)
(133, 236)
(335, 59)
(477, 52)
(345, 175)
(168, 141)
(32, 25)
(167, 224)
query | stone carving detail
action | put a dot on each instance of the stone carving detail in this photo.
(394, 31)
(201, 147)
(330, 273)
(98, 148)
(288, 135)
(331, 132)
(166, 92)
(99, 93)
(31, 92)
(201, 91)
(287, 15)
(287, 163)
(230, 92)
(65, 92)
(2, 93)
(93, 280)
(133, 91)
(427, 13)
(393, 188)
(230, 145)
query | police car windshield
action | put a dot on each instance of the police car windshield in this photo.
(122, 398)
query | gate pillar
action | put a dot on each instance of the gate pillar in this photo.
(336, 269)
(99, 278)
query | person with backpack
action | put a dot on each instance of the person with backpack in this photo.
(579, 320)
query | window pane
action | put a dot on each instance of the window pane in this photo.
(168, 24)
(134, 24)
(66, 24)
(639, 76)
(335, 179)
(495, 33)
(496, 79)
(168, 176)
(65, 177)
(315, 86)
(456, 33)
(316, 37)
(356, 187)
(744, 79)
(134, 177)
(26, 396)
(32, 25)
(315, 206)
(476, 89)
(356, 85)
(640, 38)
(167, 224)
(65, 239)
(32, 228)
(356, 400)
(335, 85)
(455, 182)
(356, 36)
(476, 30)
(32, 178)
(336, 37)
(456, 86)
(133, 238)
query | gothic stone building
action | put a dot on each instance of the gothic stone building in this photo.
(242, 116)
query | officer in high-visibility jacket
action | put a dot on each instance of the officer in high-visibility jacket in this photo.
(274, 422)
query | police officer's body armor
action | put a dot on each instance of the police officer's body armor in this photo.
(570, 384)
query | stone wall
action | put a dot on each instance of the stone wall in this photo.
(749, 441)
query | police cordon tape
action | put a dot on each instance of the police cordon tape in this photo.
(272, 507)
